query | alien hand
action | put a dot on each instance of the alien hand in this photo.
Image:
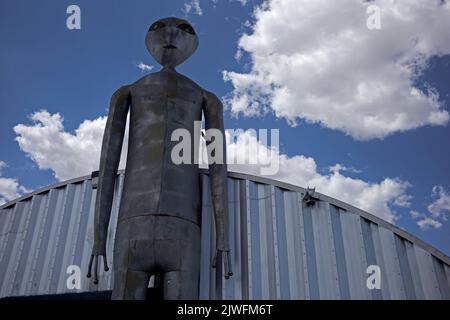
(226, 258)
(94, 259)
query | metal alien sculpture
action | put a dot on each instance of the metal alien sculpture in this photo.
(158, 229)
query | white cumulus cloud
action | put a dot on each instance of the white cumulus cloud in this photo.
(67, 154)
(440, 207)
(378, 198)
(70, 155)
(9, 187)
(425, 222)
(317, 61)
(193, 7)
(437, 210)
(144, 67)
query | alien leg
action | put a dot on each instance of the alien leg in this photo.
(129, 284)
(183, 283)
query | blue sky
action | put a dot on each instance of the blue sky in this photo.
(74, 72)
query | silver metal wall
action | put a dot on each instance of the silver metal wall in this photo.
(281, 249)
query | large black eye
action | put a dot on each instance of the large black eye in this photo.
(186, 28)
(157, 25)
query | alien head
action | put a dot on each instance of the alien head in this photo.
(171, 41)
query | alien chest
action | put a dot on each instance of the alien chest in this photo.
(164, 104)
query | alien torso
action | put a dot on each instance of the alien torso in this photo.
(161, 103)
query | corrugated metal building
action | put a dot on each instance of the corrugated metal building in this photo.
(281, 248)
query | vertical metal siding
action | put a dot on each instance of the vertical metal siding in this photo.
(427, 274)
(442, 280)
(379, 257)
(405, 269)
(325, 253)
(27, 244)
(255, 242)
(344, 290)
(311, 267)
(282, 267)
(370, 251)
(412, 260)
(447, 273)
(392, 265)
(355, 255)
(295, 242)
(14, 245)
(281, 249)
(30, 254)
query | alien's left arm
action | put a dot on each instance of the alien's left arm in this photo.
(213, 111)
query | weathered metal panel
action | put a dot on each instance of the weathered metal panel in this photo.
(66, 241)
(344, 290)
(293, 229)
(392, 266)
(8, 216)
(441, 278)
(427, 275)
(81, 247)
(31, 255)
(255, 243)
(44, 236)
(370, 251)
(447, 273)
(415, 272)
(405, 270)
(355, 255)
(311, 265)
(15, 244)
(281, 249)
(325, 252)
(19, 276)
(263, 241)
(384, 290)
(52, 244)
(276, 261)
(283, 268)
(268, 276)
(248, 246)
(61, 238)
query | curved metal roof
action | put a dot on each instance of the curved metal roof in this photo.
(238, 175)
(282, 248)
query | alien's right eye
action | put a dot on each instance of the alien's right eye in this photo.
(157, 25)
(186, 28)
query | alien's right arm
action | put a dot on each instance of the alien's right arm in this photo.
(109, 163)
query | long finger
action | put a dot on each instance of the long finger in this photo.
(90, 266)
(214, 262)
(225, 266)
(105, 263)
(96, 270)
(230, 269)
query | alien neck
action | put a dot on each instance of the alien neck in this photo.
(168, 68)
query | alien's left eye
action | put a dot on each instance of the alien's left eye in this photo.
(186, 28)
(157, 25)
